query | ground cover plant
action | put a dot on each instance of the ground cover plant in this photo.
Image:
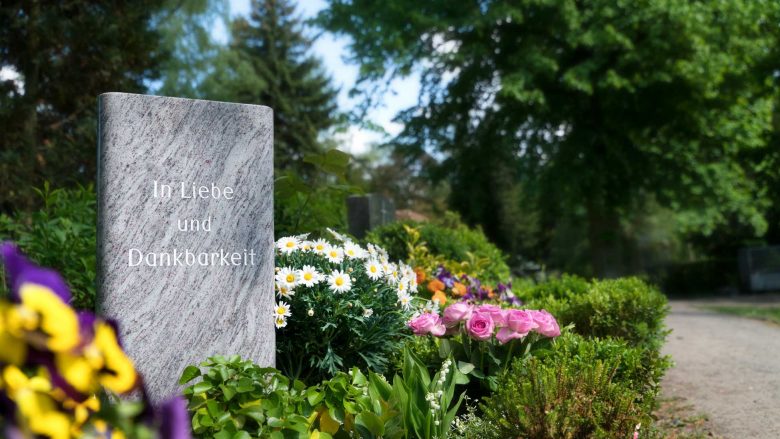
(233, 398)
(767, 313)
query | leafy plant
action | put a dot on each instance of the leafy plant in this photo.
(62, 235)
(235, 398)
(448, 242)
(565, 396)
(238, 399)
(314, 200)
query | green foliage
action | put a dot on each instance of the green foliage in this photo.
(61, 235)
(314, 200)
(427, 404)
(584, 388)
(65, 53)
(238, 399)
(327, 331)
(626, 308)
(448, 239)
(543, 109)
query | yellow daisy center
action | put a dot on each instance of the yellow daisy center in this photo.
(290, 277)
(339, 281)
(290, 244)
(307, 276)
(373, 269)
(280, 311)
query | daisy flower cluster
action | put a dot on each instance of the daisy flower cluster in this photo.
(339, 304)
(337, 268)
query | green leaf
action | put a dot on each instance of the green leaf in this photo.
(369, 425)
(201, 387)
(190, 372)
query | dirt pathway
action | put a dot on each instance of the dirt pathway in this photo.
(727, 367)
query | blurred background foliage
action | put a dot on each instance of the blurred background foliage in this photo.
(604, 138)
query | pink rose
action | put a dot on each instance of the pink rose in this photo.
(480, 326)
(427, 323)
(456, 313)
(506, 334)
(520, 321)
(496, 313)
(548, 326)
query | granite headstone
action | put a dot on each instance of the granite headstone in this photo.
(185, 231)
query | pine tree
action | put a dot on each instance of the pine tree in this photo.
(269, 62)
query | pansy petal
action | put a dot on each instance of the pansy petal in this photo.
(175, 421)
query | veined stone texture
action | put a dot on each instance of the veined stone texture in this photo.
(174, 314)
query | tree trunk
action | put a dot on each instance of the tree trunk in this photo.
(603, 239)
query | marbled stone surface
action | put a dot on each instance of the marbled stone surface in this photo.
(172, 313)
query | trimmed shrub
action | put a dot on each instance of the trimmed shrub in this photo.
(61, 235)
(448, 238)
(625, 308)
(582, 389)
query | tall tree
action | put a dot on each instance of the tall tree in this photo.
(64, 54)
(596, 105)
(269, 61)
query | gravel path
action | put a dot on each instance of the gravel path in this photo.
(727, 367)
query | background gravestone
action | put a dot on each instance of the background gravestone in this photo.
(185, 231)
(365, 212)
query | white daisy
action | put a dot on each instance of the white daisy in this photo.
(402, 287)
(306, 245)
(368, 312)
(287, 276)
(308, 276)
(374, 269)
(320, 246)
(372, 250)
(282, 309)
(337, 235)
(334, 254)
(354, 251)
(280, 322)
(283, 291)
(392, 274)
(339, 282)
(405, 301)
(288, 244)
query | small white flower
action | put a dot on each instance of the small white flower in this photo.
(372, 250)
(280, 322)
(337, 235)
(334, 254)
(405, 300)
(392, 274)
(374, 269)
(283, 291)
(310, 312)
(282, 309)
(288, 244)
(287, 277)
(306, 246)
(402, 287)
(320, 246)
(368, 312)
(339, 282)
(354, 251)
(308, 276)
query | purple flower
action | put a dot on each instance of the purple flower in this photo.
(19, 271)
(174, 419)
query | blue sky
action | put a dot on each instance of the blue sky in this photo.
(402, 94)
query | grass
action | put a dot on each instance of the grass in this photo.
(767, 313)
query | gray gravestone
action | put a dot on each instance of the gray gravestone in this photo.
(185, 231)
(365, 212)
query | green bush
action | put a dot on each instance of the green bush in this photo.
(582, 389)
(448, 238)
(61, 235)
(625, 308)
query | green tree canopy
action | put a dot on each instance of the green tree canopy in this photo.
(595, 105)
(65, 54)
